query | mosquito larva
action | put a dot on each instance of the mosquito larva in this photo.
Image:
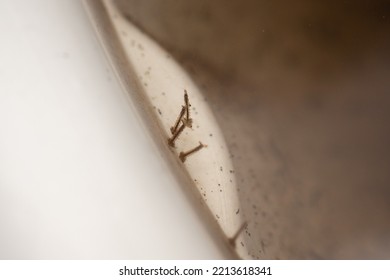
(188, 120)
(177, 129)
(179, 118)
(171, 141)
(184, 155)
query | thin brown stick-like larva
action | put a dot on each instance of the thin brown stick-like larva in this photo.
(171, 141)
(233, 239)
(179, 118)
(184, 155)
(188, 120)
